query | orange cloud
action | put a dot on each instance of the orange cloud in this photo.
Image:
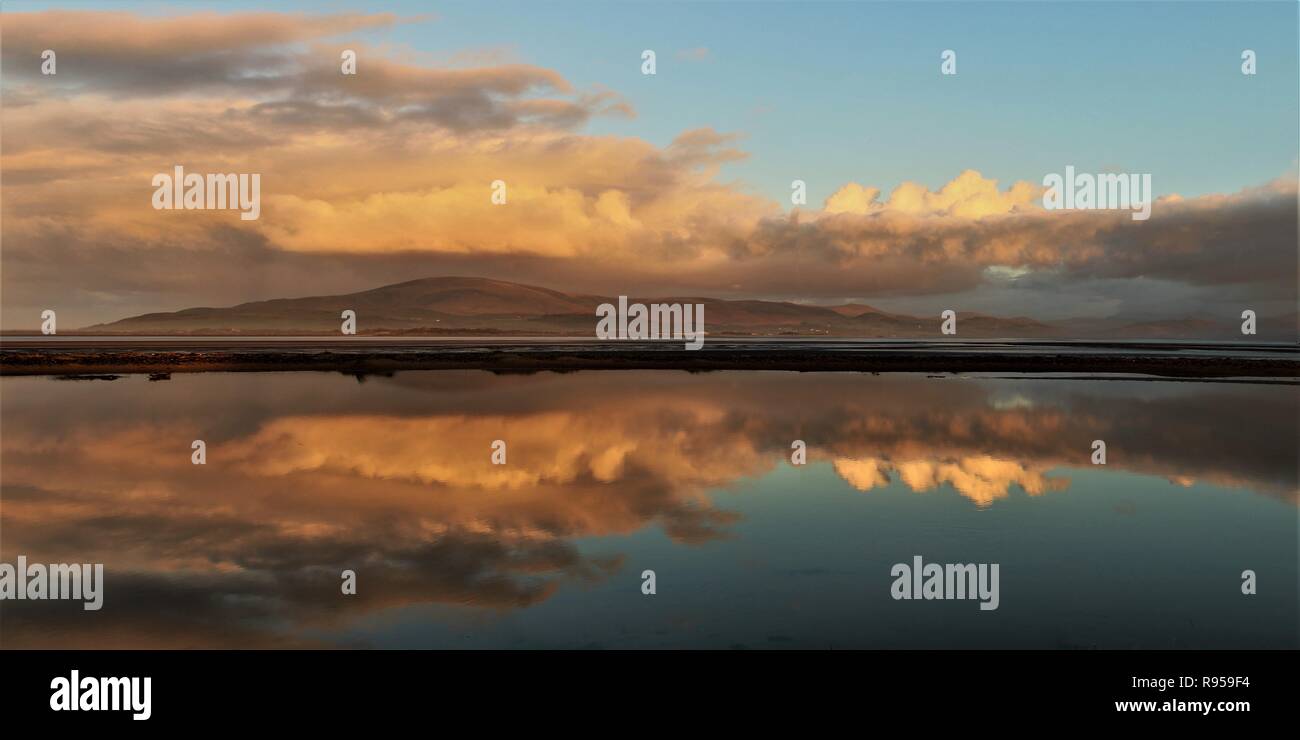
(969, 195)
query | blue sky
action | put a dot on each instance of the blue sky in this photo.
(831, 92)
(373, 179)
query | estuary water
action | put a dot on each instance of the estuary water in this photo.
(610, 474)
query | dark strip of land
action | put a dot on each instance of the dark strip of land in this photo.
(375, 357)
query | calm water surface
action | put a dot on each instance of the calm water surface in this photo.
(612, 473)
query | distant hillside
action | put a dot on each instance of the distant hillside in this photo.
(464, 305)
(448, 305)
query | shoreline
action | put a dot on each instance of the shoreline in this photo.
(1172, 361)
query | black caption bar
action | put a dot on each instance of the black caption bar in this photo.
(305, 689)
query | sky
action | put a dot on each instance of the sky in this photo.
(924, 190)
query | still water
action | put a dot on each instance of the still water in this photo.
(609, 474)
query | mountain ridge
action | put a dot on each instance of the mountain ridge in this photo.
(459, 305)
